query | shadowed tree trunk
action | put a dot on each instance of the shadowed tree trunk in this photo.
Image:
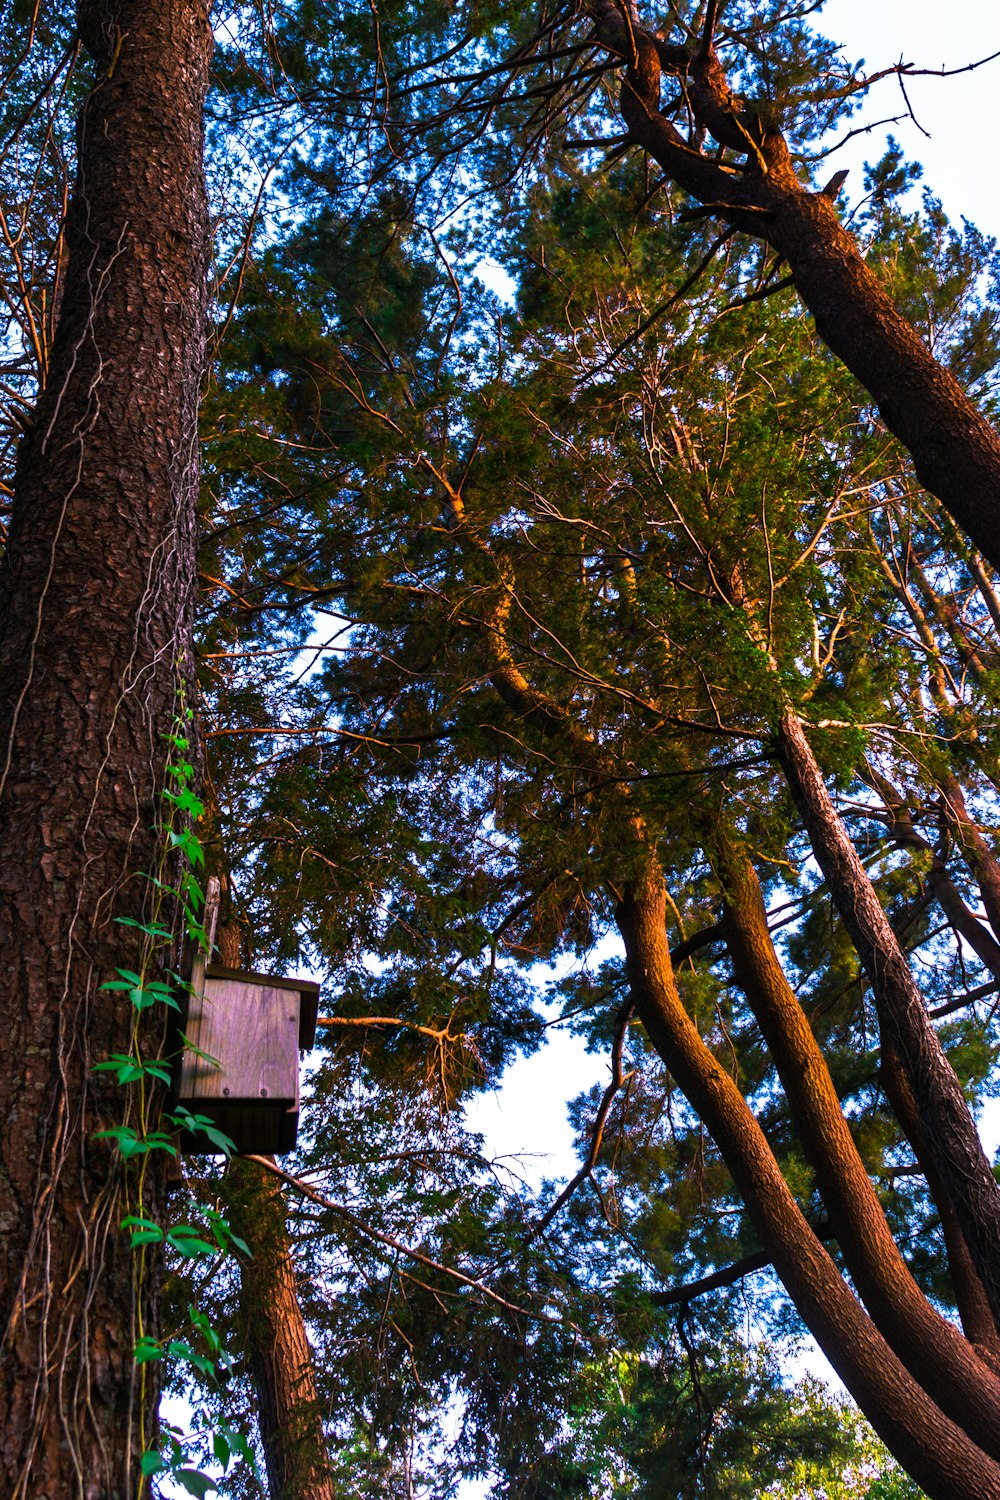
(272, 1328)
(928, 1344)
(936, 1450)
(275, 1340)
(949, 1129)
(96, 595)
(973, 1307)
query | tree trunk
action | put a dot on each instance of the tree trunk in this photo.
(272, 1328)
(938, 1454)
(928, 1344)
(973, 1307)
(949, 1128)
(96, 600)
(956, 452)
(980, 858)
(949, 898)
(274, 1337)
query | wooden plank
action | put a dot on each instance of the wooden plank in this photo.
(303, 986)
(210, 917)
(307, 989)
(251, 1030)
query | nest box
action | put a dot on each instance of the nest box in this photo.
(241, 1065)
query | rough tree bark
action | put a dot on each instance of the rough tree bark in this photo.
(275, 1340)
(929, 1345)
(96, 595)
(936, 1450)
(952, 1138)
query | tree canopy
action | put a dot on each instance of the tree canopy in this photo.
(619, 654)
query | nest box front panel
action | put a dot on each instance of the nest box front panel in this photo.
(251, 1030)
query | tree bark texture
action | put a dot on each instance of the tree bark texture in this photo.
(970, 1296)
(955, 450)
(948, 1125)
(96, 603)
(934, 1450)
(275, 1340)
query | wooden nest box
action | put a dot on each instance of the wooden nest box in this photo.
(240, 1066)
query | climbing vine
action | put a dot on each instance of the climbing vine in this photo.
(149, 1126)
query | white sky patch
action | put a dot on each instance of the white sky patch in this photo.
(959, 113)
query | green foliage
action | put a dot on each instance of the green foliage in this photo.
(649, 491)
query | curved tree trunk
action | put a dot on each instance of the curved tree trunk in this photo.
(955, 450)
(928, 1344)
(96, 597)
(939, 1455)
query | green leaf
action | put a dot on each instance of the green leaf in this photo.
(241, 1445)
(189, 845)
(188, 1242)
(185, 801)
(152, 1462)
(128, 979)
(130, 1143)
(130, 1069)
(180, 1349)
(147, 1349)
(223, 1452)
(201, 1123)
(152, 929)
(195, 1482)
(144, 1231)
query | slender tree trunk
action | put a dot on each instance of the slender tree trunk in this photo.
(273, 1330)
(931, 1347)
(985, 587)
(979, 856)
(939, 1455)
(934, 1449)
(903, 1020)
(289, 1412)
(964, 921)
(973, 1306)
(96, 595)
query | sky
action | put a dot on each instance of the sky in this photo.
(959, 113)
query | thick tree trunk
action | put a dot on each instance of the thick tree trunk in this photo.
(939, 1455)
(931, 1347)
(96, 595)
(949, 1128)
(935, 1450)
(272, 1328)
